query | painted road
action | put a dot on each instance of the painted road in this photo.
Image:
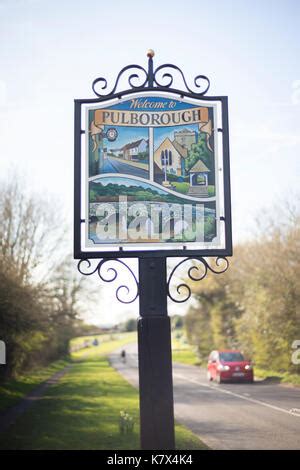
(113, 166)
(262, 415)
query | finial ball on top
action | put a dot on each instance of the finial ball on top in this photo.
(150, 53)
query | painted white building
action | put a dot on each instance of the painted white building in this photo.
(131, 150)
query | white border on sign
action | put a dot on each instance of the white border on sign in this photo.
(217, 243)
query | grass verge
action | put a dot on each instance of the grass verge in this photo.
(283, 377)
(13, 390)
(182, 351)
(82, 410)
(107, 343)
(185, 356)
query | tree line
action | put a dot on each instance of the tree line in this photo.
(39, 290)
(255, 305)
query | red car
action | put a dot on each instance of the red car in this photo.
(229, 365)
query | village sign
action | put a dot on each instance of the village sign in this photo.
(152, 181)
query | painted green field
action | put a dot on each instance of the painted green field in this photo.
(183, 188)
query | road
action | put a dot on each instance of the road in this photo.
(229, 416)
(114, 166)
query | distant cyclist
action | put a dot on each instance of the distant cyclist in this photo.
(123, 355)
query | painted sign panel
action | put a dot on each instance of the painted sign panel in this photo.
(152, 173)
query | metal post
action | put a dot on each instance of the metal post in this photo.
(155, 357)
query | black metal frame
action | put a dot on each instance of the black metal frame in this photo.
(152, 82)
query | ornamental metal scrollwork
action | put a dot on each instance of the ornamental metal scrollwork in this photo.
(169, 76)
(161, 78)
(132, 76)
(195, 273)
(110, 275)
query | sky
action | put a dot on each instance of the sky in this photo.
(51, 51)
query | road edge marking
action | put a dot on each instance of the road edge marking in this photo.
(253, 400)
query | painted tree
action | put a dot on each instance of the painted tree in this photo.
(200, 151)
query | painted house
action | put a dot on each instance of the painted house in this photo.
(170, 157)
(131, 150)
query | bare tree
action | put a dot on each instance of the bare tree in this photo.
(31, 232)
